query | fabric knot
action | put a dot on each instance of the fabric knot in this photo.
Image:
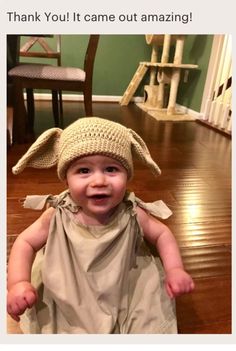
(68, 203)
(38, 202)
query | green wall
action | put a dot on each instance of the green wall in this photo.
(118, 57)
(197, 51)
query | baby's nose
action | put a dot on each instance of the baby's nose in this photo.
(99, 179)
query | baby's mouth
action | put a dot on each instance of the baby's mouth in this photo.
(99, 199)
(98, 196)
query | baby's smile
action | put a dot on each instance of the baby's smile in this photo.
(99, 198)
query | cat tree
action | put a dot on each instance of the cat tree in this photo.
(162, 74)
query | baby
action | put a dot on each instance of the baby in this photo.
(83, 266)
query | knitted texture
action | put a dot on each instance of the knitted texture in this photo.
(87, 136)
(91, 136)
(43, 153)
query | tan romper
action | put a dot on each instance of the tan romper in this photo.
(98, 279)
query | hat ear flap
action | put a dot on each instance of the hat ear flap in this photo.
(139, 147)
(43, 153)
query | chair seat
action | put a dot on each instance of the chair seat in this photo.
(39, 71)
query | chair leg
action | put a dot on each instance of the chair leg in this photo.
(30, 108)
(56, 111)
(88, 104)
(10, 111)
(20, 118)
(61, 102)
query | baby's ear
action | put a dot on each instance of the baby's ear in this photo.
(43, 153)
(139, 148)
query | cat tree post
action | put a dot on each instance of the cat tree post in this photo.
(154, 58)
(164, 59)
(175, 76)
(152, 89)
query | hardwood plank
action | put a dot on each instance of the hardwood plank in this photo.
(198, 234)
(196, 315)
(207, 261)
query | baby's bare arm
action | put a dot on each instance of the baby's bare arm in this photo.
(178, 281)
(160, 235)
(25, 247)
(21, 294)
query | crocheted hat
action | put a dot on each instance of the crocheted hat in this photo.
(87, 136)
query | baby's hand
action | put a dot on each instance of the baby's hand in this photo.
(21, 295)
(178, 282)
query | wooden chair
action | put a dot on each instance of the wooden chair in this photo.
(55, 78)
(40, 46)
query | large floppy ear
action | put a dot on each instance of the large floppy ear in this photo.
(140, 149)
(43, 153)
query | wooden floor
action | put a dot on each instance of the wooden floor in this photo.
(196, 185)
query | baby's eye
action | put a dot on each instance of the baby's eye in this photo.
(83, 170)
(111, 169)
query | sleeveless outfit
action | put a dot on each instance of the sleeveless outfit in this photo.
(98, 279)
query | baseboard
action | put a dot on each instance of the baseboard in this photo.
(188, 111)
(79, 97)
(109, 98)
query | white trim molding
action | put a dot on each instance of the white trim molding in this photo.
(108, 98)
(79, 97)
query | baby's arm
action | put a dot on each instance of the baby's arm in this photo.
(21, 294)
(178, 281)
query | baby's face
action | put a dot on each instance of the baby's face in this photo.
(97, 184)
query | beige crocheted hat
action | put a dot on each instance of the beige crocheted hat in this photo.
(87, 136)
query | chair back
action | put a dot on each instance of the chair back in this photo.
(13, 44)
(90, 57)
(45, 49)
